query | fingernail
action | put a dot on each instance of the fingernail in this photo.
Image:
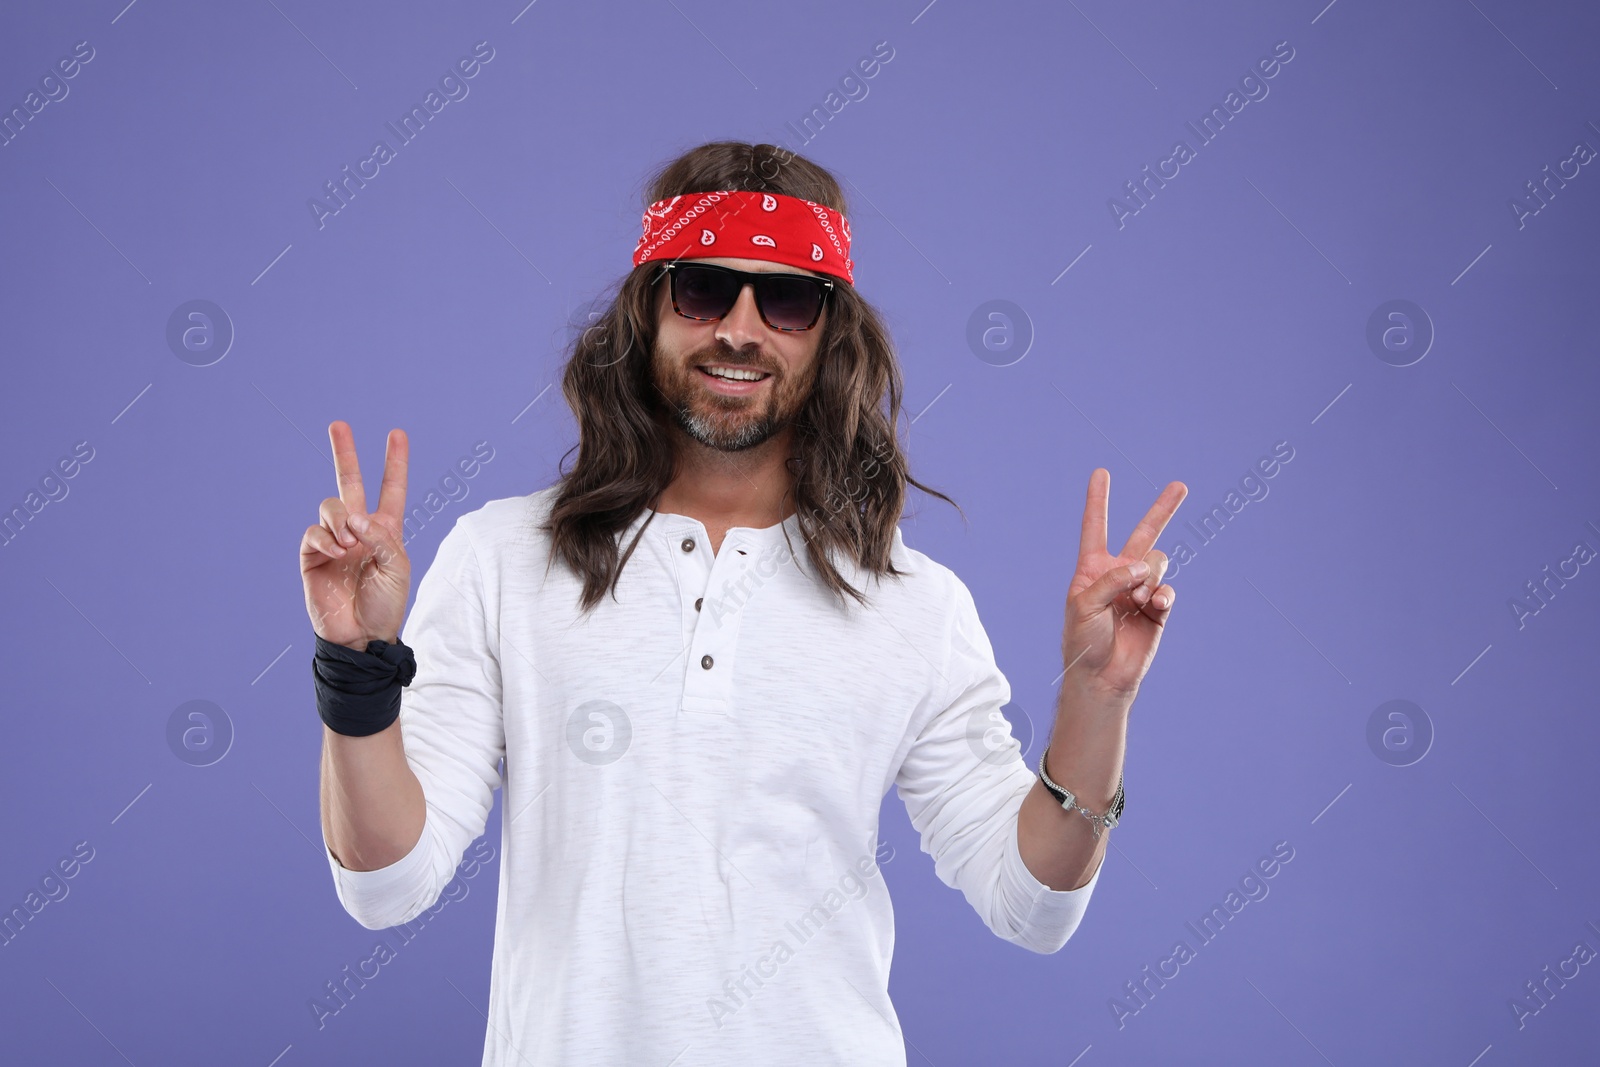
(1139, 569)
(358, 523)
(1161, 601)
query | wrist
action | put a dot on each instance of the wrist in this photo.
(1090, 782)
(1082, 690)
(1103, 816)
(359, 644)
(358, 689)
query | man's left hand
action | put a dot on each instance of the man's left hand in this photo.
(1115, 617)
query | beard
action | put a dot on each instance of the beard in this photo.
(716, 420)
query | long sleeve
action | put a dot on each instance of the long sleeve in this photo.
(962, 783)
(452, 725)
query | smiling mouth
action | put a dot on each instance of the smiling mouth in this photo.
(741, 376)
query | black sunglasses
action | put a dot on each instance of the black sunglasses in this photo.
(706, 291)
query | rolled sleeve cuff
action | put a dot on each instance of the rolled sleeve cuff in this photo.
(378, 899)
(1049, 916)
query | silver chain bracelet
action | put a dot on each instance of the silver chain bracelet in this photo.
(1069, 802)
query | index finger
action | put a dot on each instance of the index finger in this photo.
(345, 467)
(1155, 520)
(1092, 539)
(396, 460)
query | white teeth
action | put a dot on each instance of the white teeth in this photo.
(732, 374)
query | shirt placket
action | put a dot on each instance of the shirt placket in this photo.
(712, 588)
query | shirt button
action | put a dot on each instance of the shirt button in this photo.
(697, 601)
(688, 544)
(705, 661)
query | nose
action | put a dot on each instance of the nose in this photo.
(742, 325)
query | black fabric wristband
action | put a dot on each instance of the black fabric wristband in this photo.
(358, 693)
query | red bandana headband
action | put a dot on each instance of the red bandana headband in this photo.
(747, 225)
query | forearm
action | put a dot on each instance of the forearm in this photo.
(372, 804)
(1085, 756)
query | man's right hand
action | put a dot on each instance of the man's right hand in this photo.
(354, 564)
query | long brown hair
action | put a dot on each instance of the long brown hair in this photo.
(849, 475)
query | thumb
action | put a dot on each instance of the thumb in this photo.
(377, 538)
(1112, 584)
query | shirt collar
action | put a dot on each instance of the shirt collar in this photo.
(784, 538)
(672, 524)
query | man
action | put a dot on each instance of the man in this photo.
(705, 654)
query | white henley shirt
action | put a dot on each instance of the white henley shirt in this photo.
(692, 781)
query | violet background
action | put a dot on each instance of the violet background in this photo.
(1228, 315)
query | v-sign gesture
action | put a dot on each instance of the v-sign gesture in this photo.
(1115, 613)
(354, 564)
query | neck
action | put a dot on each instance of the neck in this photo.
(750, 488)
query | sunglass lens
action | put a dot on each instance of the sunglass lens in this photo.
(705, 294)
(791, 303)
